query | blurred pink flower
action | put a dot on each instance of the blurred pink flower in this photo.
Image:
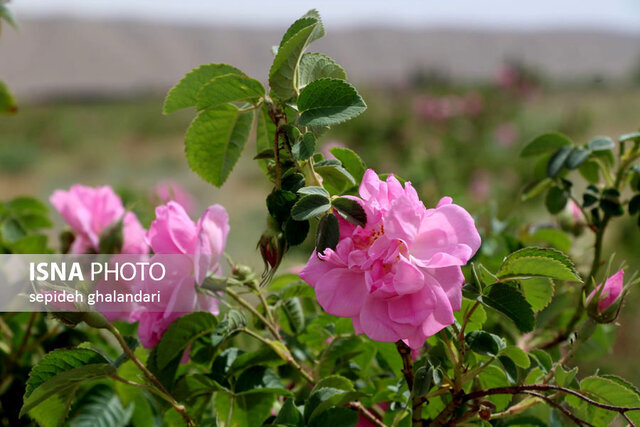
(505, 134)
(399, 277)
(473, 104)
(202, 244)
(89, 211)
(611, 290)
(328, 146)
(480, 186)
(507, 76)
(171, 190)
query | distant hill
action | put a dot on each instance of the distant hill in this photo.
(76, 58)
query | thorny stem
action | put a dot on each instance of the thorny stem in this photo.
(255, 312)
(407, 370)
(287, 357)
(152, 378)
(25, 338)
(460, 398)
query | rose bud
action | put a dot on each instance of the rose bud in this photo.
(603, 303)
(572, 219)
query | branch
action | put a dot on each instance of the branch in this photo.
(459, 398)
(561, 408)
(152, 378)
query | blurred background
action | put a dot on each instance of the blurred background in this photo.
(455, 89)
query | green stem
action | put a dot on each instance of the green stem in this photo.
(255, 312)
(152, 378)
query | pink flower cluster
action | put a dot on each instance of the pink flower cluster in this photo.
(440, 108)
(89, 211)
(188, 251)
(399, 277)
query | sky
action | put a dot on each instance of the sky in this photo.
(612, 15)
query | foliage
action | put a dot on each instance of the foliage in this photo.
(272, 356)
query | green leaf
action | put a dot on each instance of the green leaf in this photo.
(297, 289)
(634, 205)
(509, 301)
(538, 291)
(7, 101)
(335, 417)
(335, 381)
(284, 70)
(265, 132)
(265, 356)
(65, 382)
(351, 161)
(590, 170)
(336, 179)
(304, 148)
(309, 207)
(215, 141)
(59, 361)
(309, 17)
(545, 143)
(390, 355)
(229, 88)
(558, 161)
(540, 262)
(328, 233)
(577, 157)
(324, 398)
(351, 210)
(296, 231)
(247, 410)
(316, 66)
(423, 380)
(289, 415)
(510, 368)
(279, 204)
(564, 378)
(477, 318)
(166, 375)
(484, 343)
(185, 93)
(607, 391)
(327, 102)
(314, 190)
(543, 359)
(11, 231)
(556, 200)
(183, 332)
(6, 14)
(601, 143)
(100, 406)
(492, 377)
(518, 356)
(294, 313)
(192, 386)
(633, 136)
(535, 188)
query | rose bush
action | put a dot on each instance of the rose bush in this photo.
(403, 315)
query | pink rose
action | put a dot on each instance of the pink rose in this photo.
(202, 245)
(166, 191)
(610, 291)
(89, 211)
(399, 277)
